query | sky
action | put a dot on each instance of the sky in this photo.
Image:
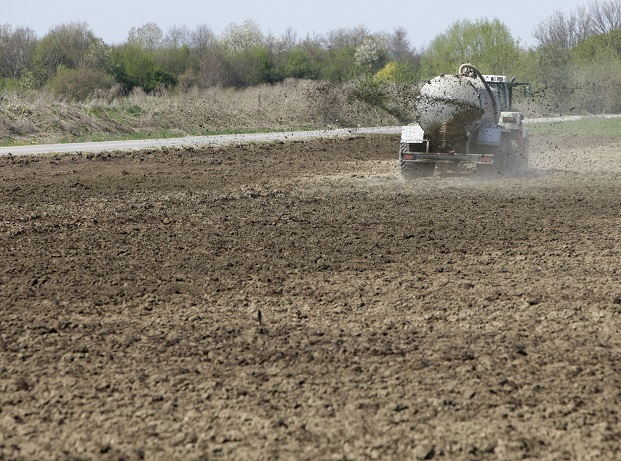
(112, 19)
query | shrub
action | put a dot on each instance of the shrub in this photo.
(80, 84)
(134, 67)
(299, 64)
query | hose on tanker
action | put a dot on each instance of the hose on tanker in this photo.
(466, 69)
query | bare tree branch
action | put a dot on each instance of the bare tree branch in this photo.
(605, 15)
(564, 31)
(16, 50)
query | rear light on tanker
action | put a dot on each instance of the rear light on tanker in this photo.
(509, 120)
(486, 159)
(408, 156)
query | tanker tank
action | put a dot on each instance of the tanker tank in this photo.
(451, 106)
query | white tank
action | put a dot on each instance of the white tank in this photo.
(450, 106)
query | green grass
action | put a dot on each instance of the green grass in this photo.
(586, 127)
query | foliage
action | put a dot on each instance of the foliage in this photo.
(299, 64)
(134, 66)
(174, 60)
(573, 68)
(72, 46)
(580, 71)
(80, 84)
(387, 73)
(487, 44)
(395, 71)
(252, 67)
(597, 48)
(238, 38)
(338, 64)
(370, 55)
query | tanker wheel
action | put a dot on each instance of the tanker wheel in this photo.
(521, 162)
(505, 160)
(417, 170)
(515, 154)
(488, 171)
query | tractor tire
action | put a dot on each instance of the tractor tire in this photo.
(521, 162)
(507, 160)
(417, 170)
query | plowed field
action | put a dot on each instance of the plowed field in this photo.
(300, 301)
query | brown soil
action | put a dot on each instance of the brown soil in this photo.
(454, 317)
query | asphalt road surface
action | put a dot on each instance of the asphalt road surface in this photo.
(198, 141)
(190, 141)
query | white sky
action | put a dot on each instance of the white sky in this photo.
(112, 19)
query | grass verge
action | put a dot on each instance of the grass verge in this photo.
(587, 127)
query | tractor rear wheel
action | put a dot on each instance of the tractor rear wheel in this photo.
(417, 170)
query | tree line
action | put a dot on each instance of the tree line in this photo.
(574, 65)
(70, 57)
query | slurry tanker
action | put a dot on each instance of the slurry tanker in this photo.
(465, 119)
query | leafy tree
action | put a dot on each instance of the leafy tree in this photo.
(244, 37)
(299, 64)
(71, 45)
(337, 64)
(578, 58)
(334, 53)
(596, 76)
(370, 55)
(265, 69)
(173, 60)
(252, 67)
(133, 66)
(486, 44)
(565, 30)
(144, 61)
(598, 48)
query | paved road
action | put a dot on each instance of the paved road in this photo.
(190, 141)
(196, 141)
(568, 118)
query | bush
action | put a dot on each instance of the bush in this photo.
(398, 72)
(299, 64)
(133, 67)
(80, 84)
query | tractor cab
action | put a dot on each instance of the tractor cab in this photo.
(503, 89)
